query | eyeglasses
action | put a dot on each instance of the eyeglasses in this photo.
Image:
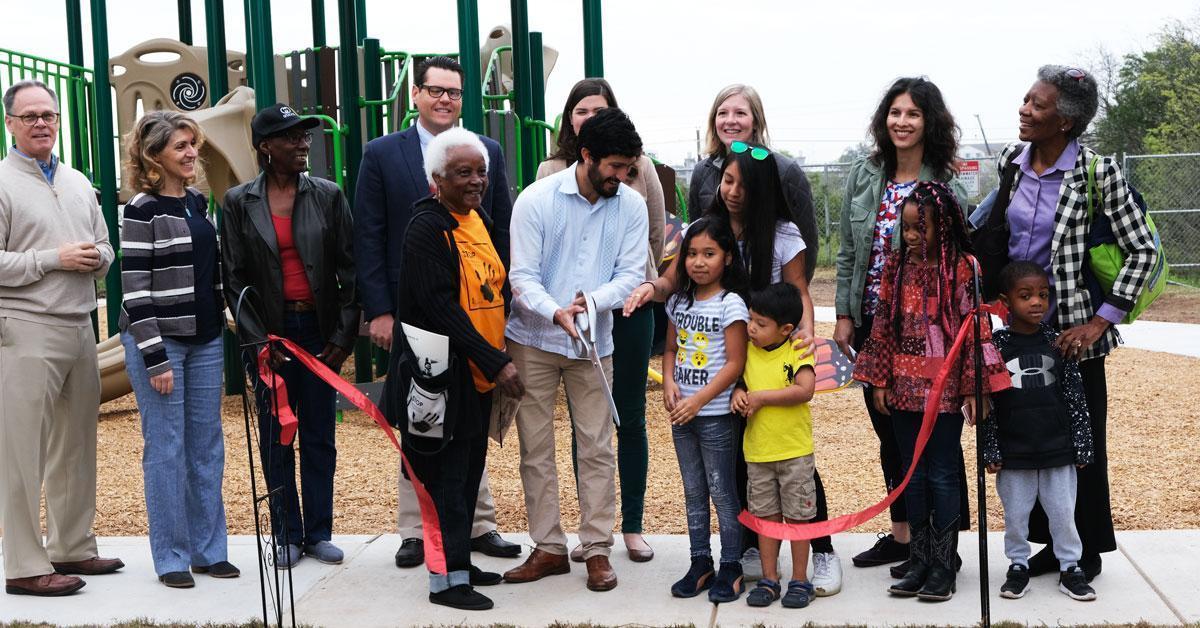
(297, 138)
(30, 119)
(436, 92)
(757, 152)
(1076, 74)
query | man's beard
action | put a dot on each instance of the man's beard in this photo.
(599, 182)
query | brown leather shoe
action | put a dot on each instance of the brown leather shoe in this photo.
(539, 565)
(601, 576)
(49, 585)
(91, 567)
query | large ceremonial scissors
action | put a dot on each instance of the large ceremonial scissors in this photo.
(585, 347)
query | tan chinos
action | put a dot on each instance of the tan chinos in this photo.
(542, 371)
(49, 399)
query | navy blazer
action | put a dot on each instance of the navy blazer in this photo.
(391, 180)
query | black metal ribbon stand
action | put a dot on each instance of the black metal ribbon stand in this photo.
(985, 611)
(271, 588)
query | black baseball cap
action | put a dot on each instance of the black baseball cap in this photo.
(276, 119)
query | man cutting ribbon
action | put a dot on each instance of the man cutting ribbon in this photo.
(579, 230)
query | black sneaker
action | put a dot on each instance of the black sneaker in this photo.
(886, 550)
(462, 597)
(1016, 582)
(1074, 584)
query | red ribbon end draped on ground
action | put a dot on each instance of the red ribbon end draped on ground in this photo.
(435, 552)
(808, 531)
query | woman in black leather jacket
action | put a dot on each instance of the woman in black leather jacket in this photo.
(289, 236)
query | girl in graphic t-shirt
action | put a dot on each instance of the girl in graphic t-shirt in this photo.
(705, 354)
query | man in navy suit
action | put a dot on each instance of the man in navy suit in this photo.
(390, 181)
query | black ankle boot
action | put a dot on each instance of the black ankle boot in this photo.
(940, 584)
(918, 564)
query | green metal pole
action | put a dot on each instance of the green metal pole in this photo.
(106, 167)
(218, 86)
(360, 19)
(318, 23)
(521, 80)
(74, 98)
(372, 87)
(248, 13)
(537, 89)
(468, 56)
(593, 40)
(185, 21)
(537, 75)
(262, 54)
(218, 73)
(351, 119)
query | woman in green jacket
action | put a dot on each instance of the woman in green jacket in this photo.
(915, 140)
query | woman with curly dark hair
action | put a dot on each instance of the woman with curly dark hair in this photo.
(915, 140)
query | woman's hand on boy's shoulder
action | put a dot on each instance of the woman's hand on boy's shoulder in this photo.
(802, 342)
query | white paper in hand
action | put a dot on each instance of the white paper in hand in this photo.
(431, 350)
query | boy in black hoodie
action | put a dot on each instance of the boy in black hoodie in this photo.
(1037, 434)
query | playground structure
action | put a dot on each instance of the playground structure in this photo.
(221, 89)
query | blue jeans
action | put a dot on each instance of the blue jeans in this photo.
(705, 449)
(935, 484)
(313, 402)
(183, 462)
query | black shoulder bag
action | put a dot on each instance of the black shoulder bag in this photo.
(990, 241)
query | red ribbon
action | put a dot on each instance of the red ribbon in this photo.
(807, 531)
(435, 552)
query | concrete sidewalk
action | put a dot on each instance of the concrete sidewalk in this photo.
(1152, 578)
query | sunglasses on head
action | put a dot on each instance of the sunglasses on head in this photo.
(757, 152)
(1076, 74)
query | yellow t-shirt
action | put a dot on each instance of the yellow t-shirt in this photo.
(481, 277)
(776, 432)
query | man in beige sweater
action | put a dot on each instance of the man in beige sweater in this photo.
(53, 246)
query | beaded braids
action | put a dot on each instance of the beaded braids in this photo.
(935, 201)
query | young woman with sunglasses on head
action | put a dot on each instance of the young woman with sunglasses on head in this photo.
(915, 140)
(751, 198)
(737, 115)
(633, 335)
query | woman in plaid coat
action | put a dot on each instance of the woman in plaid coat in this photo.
(1047, 219)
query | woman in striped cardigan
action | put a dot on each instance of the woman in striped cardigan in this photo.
(171, 322)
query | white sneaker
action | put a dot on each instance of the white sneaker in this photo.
(751, 565)
(827, 574)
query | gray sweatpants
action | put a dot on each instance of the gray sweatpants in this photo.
(1055, 488)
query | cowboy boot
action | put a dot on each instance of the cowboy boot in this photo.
(940, 584)
(918, 562)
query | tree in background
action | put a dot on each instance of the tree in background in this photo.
(1151, 102)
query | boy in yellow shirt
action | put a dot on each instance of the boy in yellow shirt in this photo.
(778, 443)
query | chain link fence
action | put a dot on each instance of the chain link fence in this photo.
(1171, 186)
(828, 183)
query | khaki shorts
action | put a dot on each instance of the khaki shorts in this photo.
(782, 487)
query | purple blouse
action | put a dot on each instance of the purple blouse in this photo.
(1031, 215)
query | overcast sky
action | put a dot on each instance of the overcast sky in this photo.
(820, 67)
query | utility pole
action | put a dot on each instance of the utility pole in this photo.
(984, 134)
